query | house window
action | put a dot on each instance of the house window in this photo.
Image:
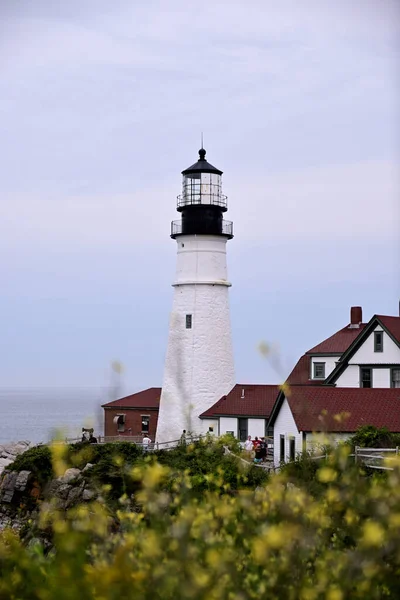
(232, 433)
(292, 448)
(119, 421)
(378, 341)
(395, 379)
(319, 370)
(243, 429)
(365, 377)
(282, 448)
(188, 321)
(145, 423)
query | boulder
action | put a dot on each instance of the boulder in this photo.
(87, 495)
(70, 475)
(22, 480)
(87, 467)
(4, 462)
(74, 495)
(63, 491)
(7, 486)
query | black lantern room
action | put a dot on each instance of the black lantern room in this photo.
(202, 203)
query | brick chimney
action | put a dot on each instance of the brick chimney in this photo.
(355, 317)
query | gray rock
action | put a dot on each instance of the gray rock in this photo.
(4, 462)
(87, 467)
(74, 495)
(70, 475)
(22, 480)
(7, 495)
(9, 481)
(87, 495)
(63, 491)
(53, 487)
(5, 522)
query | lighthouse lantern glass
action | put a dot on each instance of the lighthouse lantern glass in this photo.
(202, 188)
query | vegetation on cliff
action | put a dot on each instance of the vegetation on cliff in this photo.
(197, 526)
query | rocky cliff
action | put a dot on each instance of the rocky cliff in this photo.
(9, 452)
(21, 495)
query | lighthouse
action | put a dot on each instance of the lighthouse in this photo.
(199, 366)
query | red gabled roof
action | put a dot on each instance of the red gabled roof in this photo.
(339, 341)
(257, 402)
(149, 398)
(300, 374)
(376, 406)
(336, 343)
(392, 324)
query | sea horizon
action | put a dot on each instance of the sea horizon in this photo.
(41, 413)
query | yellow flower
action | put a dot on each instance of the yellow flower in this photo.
(373, 534)
(326, 475)
(334, 594)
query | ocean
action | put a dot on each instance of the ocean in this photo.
(38, 415)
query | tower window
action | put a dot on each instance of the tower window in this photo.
(365, 377)
(188, 321)
(378, 341)
(319, 370)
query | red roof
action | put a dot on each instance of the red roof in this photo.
(149, 398)
(375, 406)
(300, 374)
(392, 324)
(338, 342)
(258, 401)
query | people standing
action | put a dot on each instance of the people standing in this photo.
(145, 442)
(263, 449)
(248, 445)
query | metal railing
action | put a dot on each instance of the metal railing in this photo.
(226, 229)
(212, 199)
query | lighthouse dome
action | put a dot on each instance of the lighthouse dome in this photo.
(202, 202)
(202, 165)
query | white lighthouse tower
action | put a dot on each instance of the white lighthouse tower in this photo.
(199, 361)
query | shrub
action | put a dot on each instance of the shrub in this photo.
(276, 542)
(368, 436)
(37, 460)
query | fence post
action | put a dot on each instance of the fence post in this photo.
(355, 454)
(157, 445)
(397, 450)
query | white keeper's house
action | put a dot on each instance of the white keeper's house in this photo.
(351, 378)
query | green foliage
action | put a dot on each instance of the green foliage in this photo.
(368, 436)
(37, 460)
(302, 472)
(208, 467)
(279, 541)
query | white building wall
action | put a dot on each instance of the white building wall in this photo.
(201, 258)
(199, 366)
(350, 377)
(366, 354)
(381, 378)
(314, 441)
(228, 424)
(285, 425)
(330, 364)
(207, 423)
(256, 427)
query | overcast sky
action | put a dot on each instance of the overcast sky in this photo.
(101, 107)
